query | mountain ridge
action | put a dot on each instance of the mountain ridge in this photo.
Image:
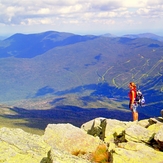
(81, 66)
(145, 35)
(25, 45)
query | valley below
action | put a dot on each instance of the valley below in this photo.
(57, 77)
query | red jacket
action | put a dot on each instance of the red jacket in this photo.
(130, 94)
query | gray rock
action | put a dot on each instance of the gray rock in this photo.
(96, 127)
(60, 156)
(155, 120)
(159, 138)
(105, 129)
(136, 153)
(138, 133)
(70, 138)
(17, 145)
(126, 142)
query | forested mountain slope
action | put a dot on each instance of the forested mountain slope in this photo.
(91, 68)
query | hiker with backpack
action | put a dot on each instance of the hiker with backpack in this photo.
(132, 104)
(136, 99)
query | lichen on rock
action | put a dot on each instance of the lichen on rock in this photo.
(100, 140)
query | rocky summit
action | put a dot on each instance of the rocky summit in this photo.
(100, 140)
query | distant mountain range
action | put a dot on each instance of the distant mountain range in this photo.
(134, 36)
(145, 35)
(57, 68)
(31, 45)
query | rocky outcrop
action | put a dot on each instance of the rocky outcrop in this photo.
(130, 141)
(70, 138)
(100, 140)
(159, 138)
(19, 146)
(60, 156)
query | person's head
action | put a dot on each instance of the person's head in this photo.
(132, 85)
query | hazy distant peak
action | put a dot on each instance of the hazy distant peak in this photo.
(108, 35)
(145, 35)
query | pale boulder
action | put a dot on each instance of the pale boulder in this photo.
(17, 146)
(159, 138)
(138, 134)
(136, 153)
(105, 129)
(70, 138)
(60, 156)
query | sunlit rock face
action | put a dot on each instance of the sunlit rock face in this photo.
(112, 140)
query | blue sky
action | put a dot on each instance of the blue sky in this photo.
(117, 17)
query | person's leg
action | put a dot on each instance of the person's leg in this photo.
(135, 113)
(136, 116)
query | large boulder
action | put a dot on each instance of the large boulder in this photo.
(96, 127)
(130, 141)
(105, 129)
(136, 153)
(17, 145)
(159, 138)
(70, 138)
(155, 127)
(126, 142)
(138, 133)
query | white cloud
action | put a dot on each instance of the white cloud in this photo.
(70, 9)
(107, 13)
(134, 3)
(44, 11)
(155, 2)
(143, 11)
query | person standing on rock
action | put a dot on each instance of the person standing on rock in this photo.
(132, 103)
